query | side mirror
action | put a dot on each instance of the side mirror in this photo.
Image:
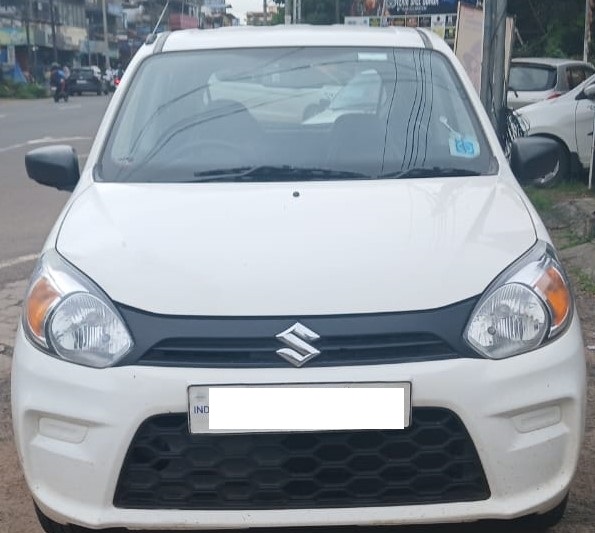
(55, 166)
(535, 160)
(589, 92)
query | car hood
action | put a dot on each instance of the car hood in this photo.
(518, 99)
(317, 248)
(546, 104)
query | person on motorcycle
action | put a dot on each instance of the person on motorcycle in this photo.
(58, 80)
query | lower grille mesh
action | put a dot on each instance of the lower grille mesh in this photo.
(432, 461)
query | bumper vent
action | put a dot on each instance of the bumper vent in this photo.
(433, 461)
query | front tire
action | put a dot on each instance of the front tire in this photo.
(561, 174)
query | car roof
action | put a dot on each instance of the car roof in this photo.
(549, 61)
(294, 35)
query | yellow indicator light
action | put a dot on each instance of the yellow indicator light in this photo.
(556, 293)
(42, 297)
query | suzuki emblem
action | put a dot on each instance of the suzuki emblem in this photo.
(299, 351)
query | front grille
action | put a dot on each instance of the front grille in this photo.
(432, 461)
(336, 351)
(251, 342)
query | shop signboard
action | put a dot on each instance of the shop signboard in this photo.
(469, 42)
(12, 36)
(214, 6)
(438, 15)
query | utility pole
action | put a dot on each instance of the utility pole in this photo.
(264, 12)
(105, 42)
(499, 65)
(486, 63)
(27, 22)
(493, 60)
(53, 24)
(587, 37)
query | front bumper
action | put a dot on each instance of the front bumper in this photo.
(73, 426)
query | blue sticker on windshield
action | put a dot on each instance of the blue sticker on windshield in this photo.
(463, 147)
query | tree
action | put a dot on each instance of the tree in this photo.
(317, 11)
(549, 28)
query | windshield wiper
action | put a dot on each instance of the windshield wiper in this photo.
(274, 173)
(431, 172)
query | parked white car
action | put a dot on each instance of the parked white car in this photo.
(241, 320)
(532, 79)
(569, 121)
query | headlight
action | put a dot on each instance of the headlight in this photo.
(69, 317)
(527, 305)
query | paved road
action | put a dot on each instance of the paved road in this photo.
(28, 210)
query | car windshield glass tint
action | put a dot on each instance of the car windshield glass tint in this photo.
(83, 74)
(291, 114)
(531, 78)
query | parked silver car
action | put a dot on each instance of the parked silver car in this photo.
(534, 79)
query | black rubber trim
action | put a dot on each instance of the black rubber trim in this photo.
(425, 39)
(159, 41)
(442, 328)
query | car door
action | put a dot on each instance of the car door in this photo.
(584, 115)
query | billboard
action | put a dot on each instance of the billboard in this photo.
(469, 43)
(363, 8)
(438, 15)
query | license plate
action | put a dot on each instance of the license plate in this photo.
(299, 407)
(80, 82)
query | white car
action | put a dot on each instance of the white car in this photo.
(532, 79)
(569, 121)
(240, 321)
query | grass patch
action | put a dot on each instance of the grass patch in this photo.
(583, 281)
(26, 91)
(570, 240)
(545, 199)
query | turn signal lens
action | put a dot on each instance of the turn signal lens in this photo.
(40, 300)
(554, 291)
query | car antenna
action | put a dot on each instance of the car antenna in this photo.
(151, 37)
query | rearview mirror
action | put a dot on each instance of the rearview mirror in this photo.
(55, 166)
(589, 92)
(535, 160)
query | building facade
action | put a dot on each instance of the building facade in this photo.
(36, 33)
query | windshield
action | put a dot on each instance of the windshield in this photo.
(83, 73)
(294, 114)
(532, 78)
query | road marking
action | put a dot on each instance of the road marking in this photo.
(18, 260)
(44, 140)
